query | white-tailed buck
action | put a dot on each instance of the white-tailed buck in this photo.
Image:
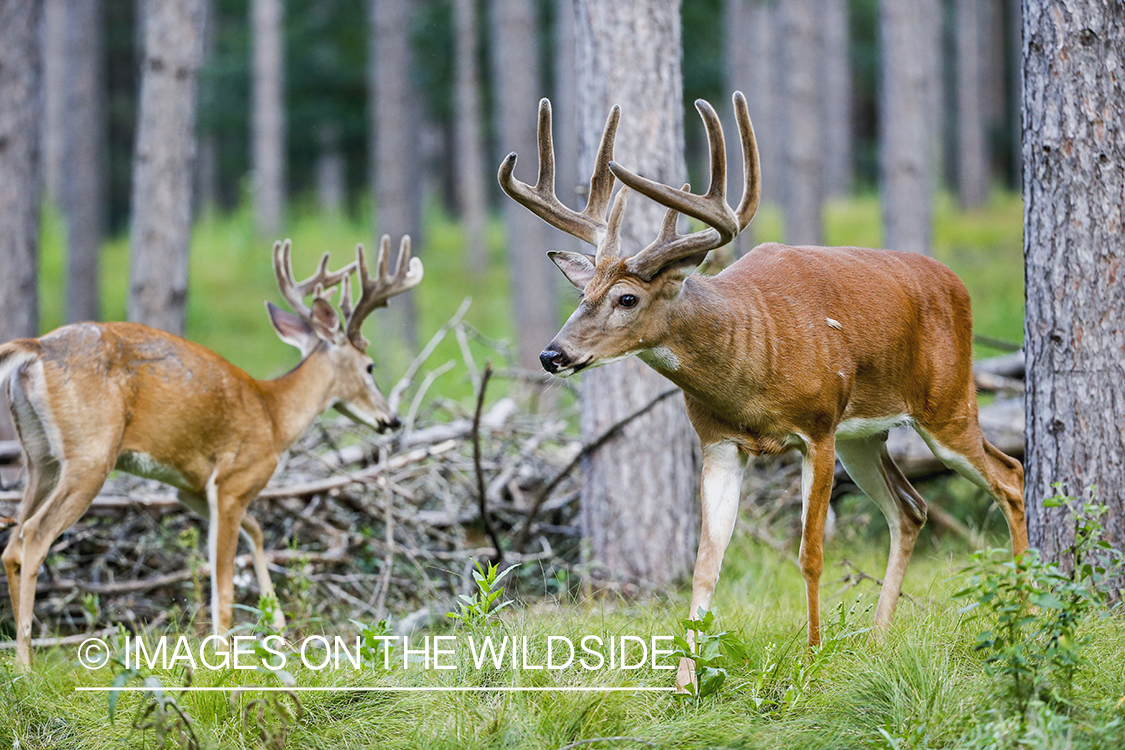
(814, 348)
(90, 397)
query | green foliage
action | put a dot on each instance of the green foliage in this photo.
(1034, 612)
(376, 641)
(713, 654)
(481, 607)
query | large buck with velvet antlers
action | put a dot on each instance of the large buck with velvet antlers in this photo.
(814, 348)
(91, 397)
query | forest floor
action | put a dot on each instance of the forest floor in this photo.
(924, 686)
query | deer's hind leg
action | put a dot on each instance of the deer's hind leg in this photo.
(872, 469)
(77, 484)
(62, 482)
(960, 445)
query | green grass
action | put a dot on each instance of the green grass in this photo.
(924, 686)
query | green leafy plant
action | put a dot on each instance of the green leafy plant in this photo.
(481, 607)
(713, 654)
(375, 644)
(1034, 610)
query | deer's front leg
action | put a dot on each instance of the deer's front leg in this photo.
(722, 482)
(817, 471)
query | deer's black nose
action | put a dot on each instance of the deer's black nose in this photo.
(553, 359)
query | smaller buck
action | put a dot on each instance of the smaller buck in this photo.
(90, 397)
(814, 348)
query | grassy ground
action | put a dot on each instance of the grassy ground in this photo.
(924, 687)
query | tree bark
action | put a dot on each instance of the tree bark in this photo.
(755, 53)
(568, 181)
(76, 123)
(267, 136)
(909, 121)
(1074, 191)
(638, 492)
(803, 179)
(206, 192)
(837, 98)
(163, 162)
(515, 55)
(20, 76)
(972, 158)
(84, 199)
(395, 126)
(55, 67)
(749, 41)
(470, 148)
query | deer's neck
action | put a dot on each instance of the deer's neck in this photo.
(296, 398)
(716, 343)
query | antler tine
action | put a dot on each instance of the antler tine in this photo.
(541, 200)
(376, 290)
(710, 208)
(751, 167)
(320, 282)
(611, 244)
(670, 245)
(601, 181)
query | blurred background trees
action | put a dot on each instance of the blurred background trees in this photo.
(328, 66)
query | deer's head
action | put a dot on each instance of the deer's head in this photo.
(628, 300)
(317, 330)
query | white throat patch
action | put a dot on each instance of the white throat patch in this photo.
(660, 358)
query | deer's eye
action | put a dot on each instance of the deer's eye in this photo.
(371, 369)
(627, 300)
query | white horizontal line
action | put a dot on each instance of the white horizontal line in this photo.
(377, 689)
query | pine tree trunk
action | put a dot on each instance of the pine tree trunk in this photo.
(267, 137)
(73, 139)
(748, 40)
(20, 76)
(515, 69)
(803, 179)
(163, 163)
(837, 97)
(972, 159)
(83, 192)
(638, 491)
(1074, 191)
(909, 121)
(568, 181)
(206, 187)
(56, 67)
(395, 125)
(470, 148)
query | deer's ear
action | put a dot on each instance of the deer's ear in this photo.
(291, 329)
(578, 268)
(325, 320)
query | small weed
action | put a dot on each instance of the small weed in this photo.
(481, 607)
(713, 654)
(377, 641)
